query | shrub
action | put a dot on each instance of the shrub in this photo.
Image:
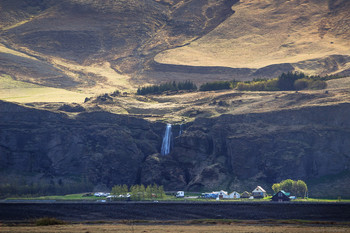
(48, 221)
(258, 85)
(307, 83)
(271, 85)
(115, 93)
(301, 84)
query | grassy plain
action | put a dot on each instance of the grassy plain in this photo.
(68, 197)
(84, 197)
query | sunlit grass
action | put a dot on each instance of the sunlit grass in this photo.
(23, 92)
(17, 24)
(6, 82)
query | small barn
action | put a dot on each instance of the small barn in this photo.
(245, 194)
(281, 196)
(234, 195)
(259, 192)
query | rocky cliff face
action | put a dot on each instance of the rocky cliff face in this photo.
(231, 151)
(241, 151)
(101, 147)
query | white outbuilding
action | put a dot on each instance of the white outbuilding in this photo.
(180, 194)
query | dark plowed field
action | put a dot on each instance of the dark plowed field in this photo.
(174, 211)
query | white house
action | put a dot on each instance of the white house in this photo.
(221, 194)
(259, 192)
(234, 195)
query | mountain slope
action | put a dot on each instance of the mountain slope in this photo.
(197, 40)
(124, 35)
(263, 33)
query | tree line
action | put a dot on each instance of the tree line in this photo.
(139, 192)
(285, 82)
(168, 86)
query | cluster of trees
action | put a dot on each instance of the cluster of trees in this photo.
(295, 188)
(299, 81)
(285, 82)
(139, 192)
(169, 86)
(217, 85)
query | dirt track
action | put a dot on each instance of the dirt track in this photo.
(175, 211)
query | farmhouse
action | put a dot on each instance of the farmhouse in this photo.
(216, 194)
(259, 192)
(234, 195)
(222, 194)
(281, 196)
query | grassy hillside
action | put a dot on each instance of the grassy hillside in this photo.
(183, 107)
(95, 47)
(262, 33)
(99, 44)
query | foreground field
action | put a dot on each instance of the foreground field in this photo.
(181, 227)
(174, 211)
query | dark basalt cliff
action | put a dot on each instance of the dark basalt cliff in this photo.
(230, 151)
(99, 147)
(239, 151)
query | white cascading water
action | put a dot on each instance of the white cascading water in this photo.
(180, 132)
(165, 150)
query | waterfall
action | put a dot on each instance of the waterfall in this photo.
(166, 141)
(180, 132)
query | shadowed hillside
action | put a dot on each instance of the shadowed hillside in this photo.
(125, 35)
